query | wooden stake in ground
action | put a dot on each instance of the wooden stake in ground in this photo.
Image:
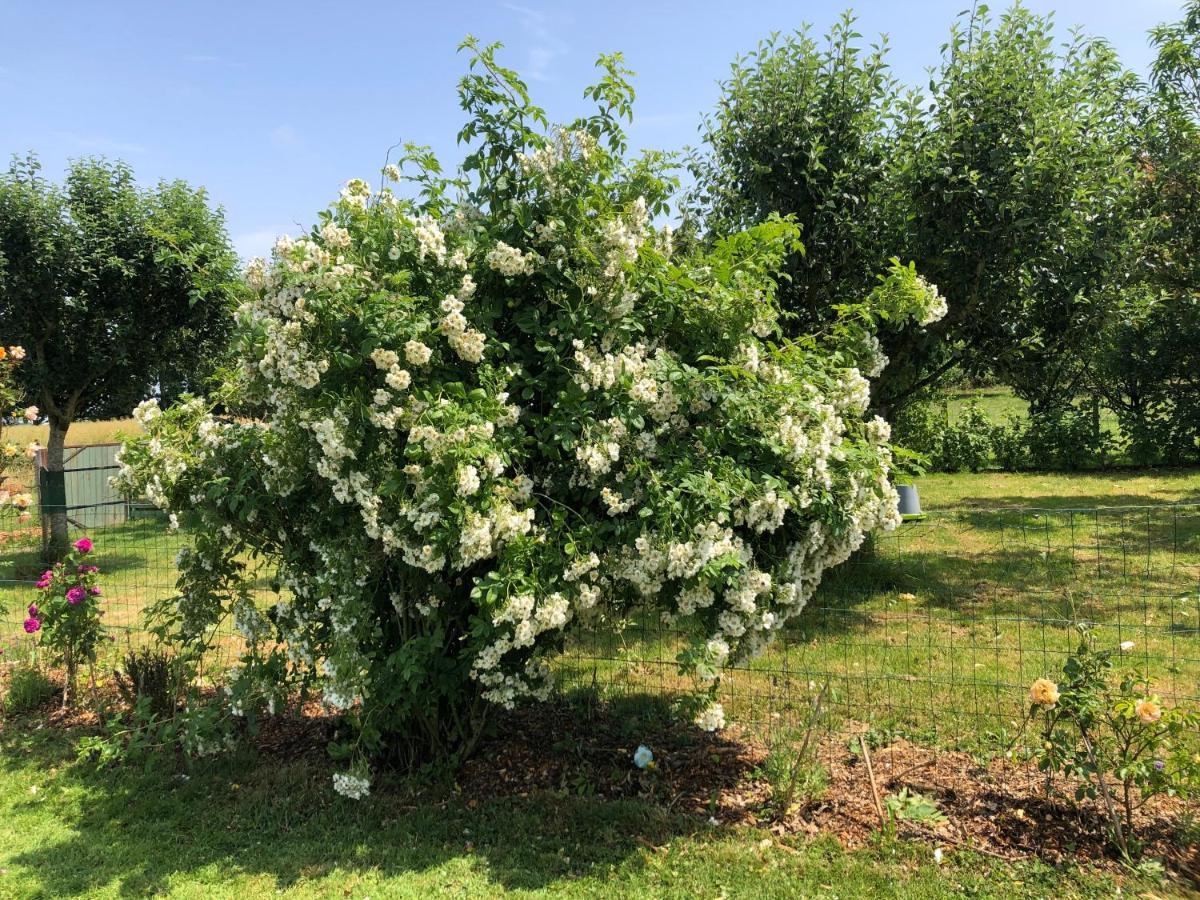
(862, 739)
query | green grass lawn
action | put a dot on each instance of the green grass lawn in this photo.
(243, 828)
(935, 632)
(938, 630)
(999, 403)
(1060, 490)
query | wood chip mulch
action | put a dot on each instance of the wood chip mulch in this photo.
(998, 808)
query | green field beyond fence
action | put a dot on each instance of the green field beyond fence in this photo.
(935, 630)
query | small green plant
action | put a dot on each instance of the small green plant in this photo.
(909, 806)
(199, 725)
(151, 674)
(794, 776)
(28, 688)
(1109, 730)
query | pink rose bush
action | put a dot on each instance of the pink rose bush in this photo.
(466, 423)
(67, 614)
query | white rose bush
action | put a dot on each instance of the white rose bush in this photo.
(471, 414)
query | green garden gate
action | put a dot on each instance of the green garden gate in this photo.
(83, 488)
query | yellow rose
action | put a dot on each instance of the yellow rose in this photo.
(1044, 691)
(3, 352)
(1148, 711)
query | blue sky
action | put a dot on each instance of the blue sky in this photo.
(272, 106)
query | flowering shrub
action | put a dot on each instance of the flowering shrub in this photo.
(9, 358)
(465, 422)
(66, 616)
(1099, 725)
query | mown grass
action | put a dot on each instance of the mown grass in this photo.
(1060, 490)
(998, 403)
(938, 630)
(241, 827)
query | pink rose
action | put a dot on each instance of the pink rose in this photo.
(84, 545)
(32, 625)
(94, 591)
(76, 595)
(33, 610)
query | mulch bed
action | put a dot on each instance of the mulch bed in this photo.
(1000, 808)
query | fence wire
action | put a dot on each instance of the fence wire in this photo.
(934, 631)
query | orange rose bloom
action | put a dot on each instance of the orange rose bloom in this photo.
(1044, 691)
(1148, 711)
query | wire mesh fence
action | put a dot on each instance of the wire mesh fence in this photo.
(935, 630)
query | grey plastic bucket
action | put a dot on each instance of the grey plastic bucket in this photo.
(910, 501)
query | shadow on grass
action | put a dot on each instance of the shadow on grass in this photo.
(121, 550)
(1074, 493)
(280, 819)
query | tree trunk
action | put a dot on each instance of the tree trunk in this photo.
(54, 500)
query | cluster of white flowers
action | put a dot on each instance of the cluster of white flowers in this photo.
(352, 786)
(614, 502)
(335, 236)
(879, 431)
(712, 717)
(879, 359)
(417, 353)
(356, 194)
(463, 339)
(562, 146)
(935, 307)
(430, 239)
(146, 412)
(623, 236)
(764, 513)
(468, 480)
(604, 370)
(510, 261)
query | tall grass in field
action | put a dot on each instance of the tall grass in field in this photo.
(80, 434)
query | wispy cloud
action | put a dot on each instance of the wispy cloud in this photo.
(285, 136)
(547, 46)
(211, 59)
(99, 143)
